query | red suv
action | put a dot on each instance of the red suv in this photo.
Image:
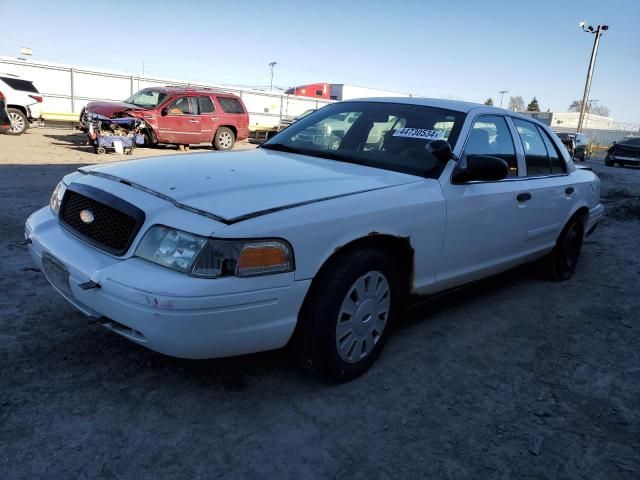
(181, 116)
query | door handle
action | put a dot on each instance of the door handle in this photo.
(569, 190)
(193, 121)
(523, 197)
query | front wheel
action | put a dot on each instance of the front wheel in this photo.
(348, 316)
(560, 264)
(19, 121)
(608, 161)
(224, 139)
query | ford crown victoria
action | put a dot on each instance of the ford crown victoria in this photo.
(317, 238)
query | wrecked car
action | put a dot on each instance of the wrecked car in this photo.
(180, 116)
(311, 242)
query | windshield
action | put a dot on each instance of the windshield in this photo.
(146, 99)
(391, 136)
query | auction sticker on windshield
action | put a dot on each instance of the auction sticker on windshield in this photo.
(418, 133)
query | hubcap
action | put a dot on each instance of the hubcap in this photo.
(224, 140)
(363, 316)
(17, 122)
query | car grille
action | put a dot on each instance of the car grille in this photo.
(111, 229)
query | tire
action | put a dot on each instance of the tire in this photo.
(608, 161)
(224, 139)
(560, 264)
(101, 150)
(345, 321)
(150, 139)
(19, 122)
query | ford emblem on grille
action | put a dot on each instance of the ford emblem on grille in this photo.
(87, 216)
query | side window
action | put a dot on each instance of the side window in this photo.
(205, 105)
(557, 162)
(535, 153)
(180, 106)
(490, 135)
(230, 105)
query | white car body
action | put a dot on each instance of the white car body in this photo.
(22, 99)
(458, 233)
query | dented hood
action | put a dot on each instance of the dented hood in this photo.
(109, 108)
(238, 185)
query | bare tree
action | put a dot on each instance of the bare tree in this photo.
(517, 104)
(603, 110)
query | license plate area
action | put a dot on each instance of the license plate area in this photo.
(56, 273)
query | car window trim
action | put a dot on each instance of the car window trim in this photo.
(536, 129)
(462, 156)
(550, 175)
(544, 134)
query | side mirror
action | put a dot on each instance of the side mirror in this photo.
(440, 149)
(481, 168)
(164, 111)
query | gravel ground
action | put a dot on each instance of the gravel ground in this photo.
(515, 377)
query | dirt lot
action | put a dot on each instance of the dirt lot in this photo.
(513, 378)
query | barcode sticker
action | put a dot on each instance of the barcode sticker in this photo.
(418, 133)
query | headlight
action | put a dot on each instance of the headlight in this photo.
(212, 258)
(56, 197)
(170, 248)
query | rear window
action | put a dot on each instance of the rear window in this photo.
(230, 105)
(19, 84)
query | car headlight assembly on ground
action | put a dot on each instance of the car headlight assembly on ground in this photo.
(56, 197)
(212, 258)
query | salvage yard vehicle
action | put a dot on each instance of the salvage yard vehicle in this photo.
(180, 116)
(625, 152)
(314, 243)
(23, 102)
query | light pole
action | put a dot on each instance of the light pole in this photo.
(271, 65)
(598, 31)
(502, 92)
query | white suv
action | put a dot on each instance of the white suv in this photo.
(24, 103)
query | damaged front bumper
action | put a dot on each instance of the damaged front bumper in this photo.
(161, 309)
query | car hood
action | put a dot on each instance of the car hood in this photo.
(109, 108)
(238, 185)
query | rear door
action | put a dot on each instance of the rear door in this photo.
(486, 221)
(179, 122)
(209, 118)
(552, 192)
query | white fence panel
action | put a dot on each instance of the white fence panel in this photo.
(67, 89)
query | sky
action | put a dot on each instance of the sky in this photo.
(466, 50)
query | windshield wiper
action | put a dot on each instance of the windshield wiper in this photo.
(279, 147)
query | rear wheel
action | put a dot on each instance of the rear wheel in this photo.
(560, 264)
(19, 121)
(348, 316)
(224, 139)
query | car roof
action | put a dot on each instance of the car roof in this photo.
(194, 90)
(455, 105)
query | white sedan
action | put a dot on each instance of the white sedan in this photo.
(319, 237)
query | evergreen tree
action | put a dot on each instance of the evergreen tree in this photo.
(489, 101)
(533, 106)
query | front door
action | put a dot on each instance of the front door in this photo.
(486, 222)
(179, 122)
